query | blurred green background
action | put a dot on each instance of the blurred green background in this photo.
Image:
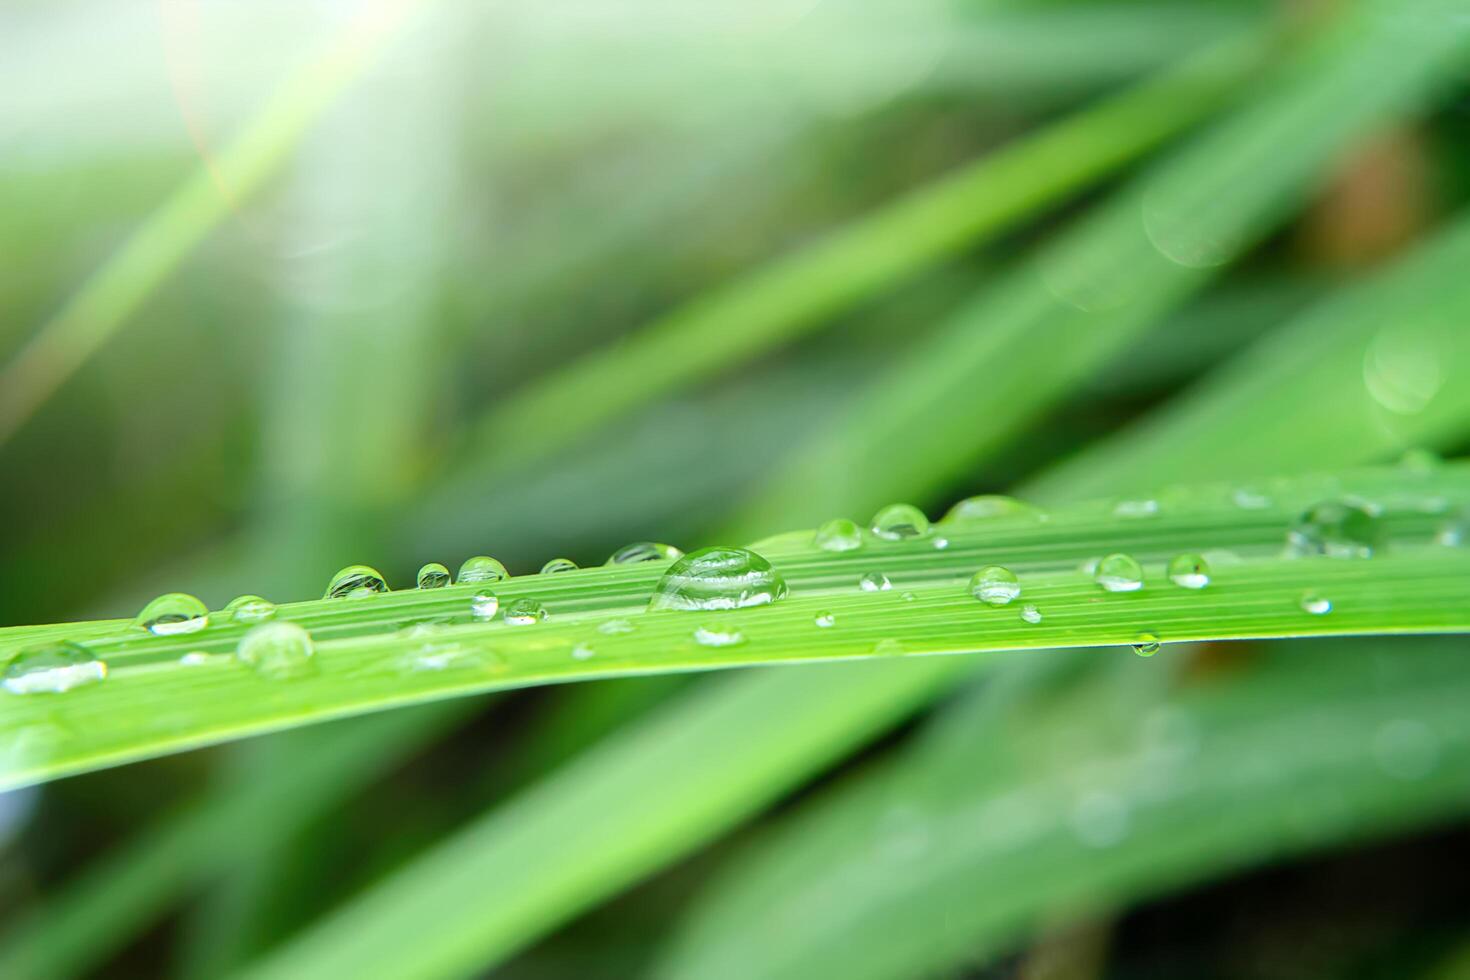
(285, 286)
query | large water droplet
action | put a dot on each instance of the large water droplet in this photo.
(973, 510)
(874, 582)
(1337, 529)
(839, 534)
(524, 611)
(355, 582)
(1146, 645)
(558, 565)
(433, 576)
(718, 578)
(1189, 571)
(899, 521)
(52, 669)
(640, 551)
(172, 614)
(484, 604)
(1119, 573)
(995, 585)
(250, 609)
(481, 568)
(277, 650)
(1316, 603)
(718, 635)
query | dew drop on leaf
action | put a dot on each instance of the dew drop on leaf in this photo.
(874, 582)
(1136, 508)
(481, 568)
(52, 669)
(279, 650)
(524, 611)
(1030, 614)
(1315, 603)
(583, 651)
(356, 582)
(888, 647)
(558, 565)
(615, 627)
(1146, 645)
(172, 614)
(484, 604)
(250, 609)
(995, 585)
(839, 534)
(1119, 573)
(1337, 529)
(433, 576)
(641, 551)
(974, 510)
(1189, 571)
(896, 522)
(718, 635)
(824, 619)
(718, 578)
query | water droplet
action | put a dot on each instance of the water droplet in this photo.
(1136, 508)
(825, 619)
(888, 647)
(277, 650)
(1119, 573)
(941, 543)
(52, 669)
(198, 658)
(484, 604)
(718, 578)
(874, 582)
(718, 635)
(1030, 614)
(995, 585)
(583, 651)
(973, 510)
(839, 534)
(481, 568)
(1247, 499)
(899, 521)
(558, 565)
(172, 614)
(355, 582)
(640, 551)
(1189, 571)
(433, 576)
(524, 612)
(1454, 532)
(250, 609)
(1146, 645)
(908, 597)
(614, 627)
(1337, 529)
(1316, 604)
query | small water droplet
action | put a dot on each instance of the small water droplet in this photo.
(355, 582)
(524, 612)
(583, 651)
(838, 534)
(558, 565)
(1030, 614)
(718, 635)
(888, 647)
(974, 510)
(481, 568)
(1136, 508)
(1146, 645)
(995, 585)
(53, 669)
(1189, 571)
(433, 576)
(640, 551)
(825, 619)
(874, 582)
(1337, 529)
(908, 597)
(1248, 499)
(1316, 604)
(277, 650)
(198, 658)
(250, 609)
(941, 543)
(172, 614)
(1454, 532)
(718, 578)
(484, 604)
(897, 522)
(614, 627)
(1119, 573)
